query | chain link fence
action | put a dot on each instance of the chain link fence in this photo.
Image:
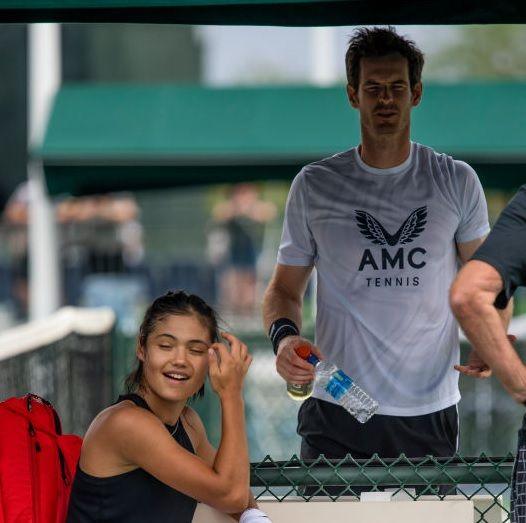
(482, 479)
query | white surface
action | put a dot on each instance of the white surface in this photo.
(376, 497)
(454, 511)
(42, 332)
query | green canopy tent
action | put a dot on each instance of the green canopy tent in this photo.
(266, 12)
(107, 138)
(174, 160)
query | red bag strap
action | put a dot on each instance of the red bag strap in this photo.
(30, 398)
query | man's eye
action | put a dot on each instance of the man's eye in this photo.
(165, 346)
(197, 351)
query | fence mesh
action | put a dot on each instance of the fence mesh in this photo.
(474, 478)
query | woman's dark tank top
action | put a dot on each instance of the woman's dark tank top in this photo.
(132, 497)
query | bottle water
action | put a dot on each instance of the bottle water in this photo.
(302, 392)
(340, 386)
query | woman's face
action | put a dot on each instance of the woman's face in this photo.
(175, 360)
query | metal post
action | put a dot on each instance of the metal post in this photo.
(44, 80)
(323, 63)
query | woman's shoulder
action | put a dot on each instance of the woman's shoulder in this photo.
(122, 418)
(115, 435)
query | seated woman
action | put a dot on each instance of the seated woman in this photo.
(147, 457)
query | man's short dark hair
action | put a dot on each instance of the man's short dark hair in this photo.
(377, 42)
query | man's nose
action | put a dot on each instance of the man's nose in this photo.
(386, 95)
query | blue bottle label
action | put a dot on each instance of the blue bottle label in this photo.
(339, 384)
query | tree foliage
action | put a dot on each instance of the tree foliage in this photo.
(495, 52)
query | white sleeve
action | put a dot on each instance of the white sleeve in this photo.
(474, 222)
(297, 245)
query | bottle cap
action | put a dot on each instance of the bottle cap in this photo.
(303, 351)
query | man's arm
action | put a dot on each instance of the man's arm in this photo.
(284, 295)
(472, 298)
(284, 299)
(465, 252)
(476, 366)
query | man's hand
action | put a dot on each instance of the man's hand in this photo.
(290, 366)
(476, 367)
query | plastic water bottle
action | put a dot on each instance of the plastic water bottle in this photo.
(340, 386)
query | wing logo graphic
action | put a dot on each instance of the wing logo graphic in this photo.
(373, 230)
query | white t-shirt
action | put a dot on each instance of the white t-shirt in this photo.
(383, 242)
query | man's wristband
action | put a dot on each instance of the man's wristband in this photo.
(280, 329)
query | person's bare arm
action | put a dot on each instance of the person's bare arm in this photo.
(467, 250)
(284, 295)
(205, 450)
(472, 298)
(476, 366)
(284, 299)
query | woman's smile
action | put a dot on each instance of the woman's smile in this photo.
(177, 377)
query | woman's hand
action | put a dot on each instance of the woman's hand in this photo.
(227, 368)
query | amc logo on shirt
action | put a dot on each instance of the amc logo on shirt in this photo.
(400, 258)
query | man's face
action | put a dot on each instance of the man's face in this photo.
(384, 96)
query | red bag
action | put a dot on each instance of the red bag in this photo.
(37, 462)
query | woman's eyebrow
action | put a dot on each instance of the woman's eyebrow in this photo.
(166, 335)
(198, 341)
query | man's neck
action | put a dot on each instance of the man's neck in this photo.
(385, 152)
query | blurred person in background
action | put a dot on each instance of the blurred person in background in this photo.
(234, 245)
(482, 289)
(103, 255)
(15, 262)
(147, 457)
(385, 225)
(106, 228)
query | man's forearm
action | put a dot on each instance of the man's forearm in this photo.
(485, 328)
(277, 303)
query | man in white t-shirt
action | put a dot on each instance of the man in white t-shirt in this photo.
(385, 225)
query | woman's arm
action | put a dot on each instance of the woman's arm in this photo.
(205, 450)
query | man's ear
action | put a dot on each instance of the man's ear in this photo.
(352, 94)
(417, 92)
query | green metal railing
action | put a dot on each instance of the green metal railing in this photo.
(462, 476)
